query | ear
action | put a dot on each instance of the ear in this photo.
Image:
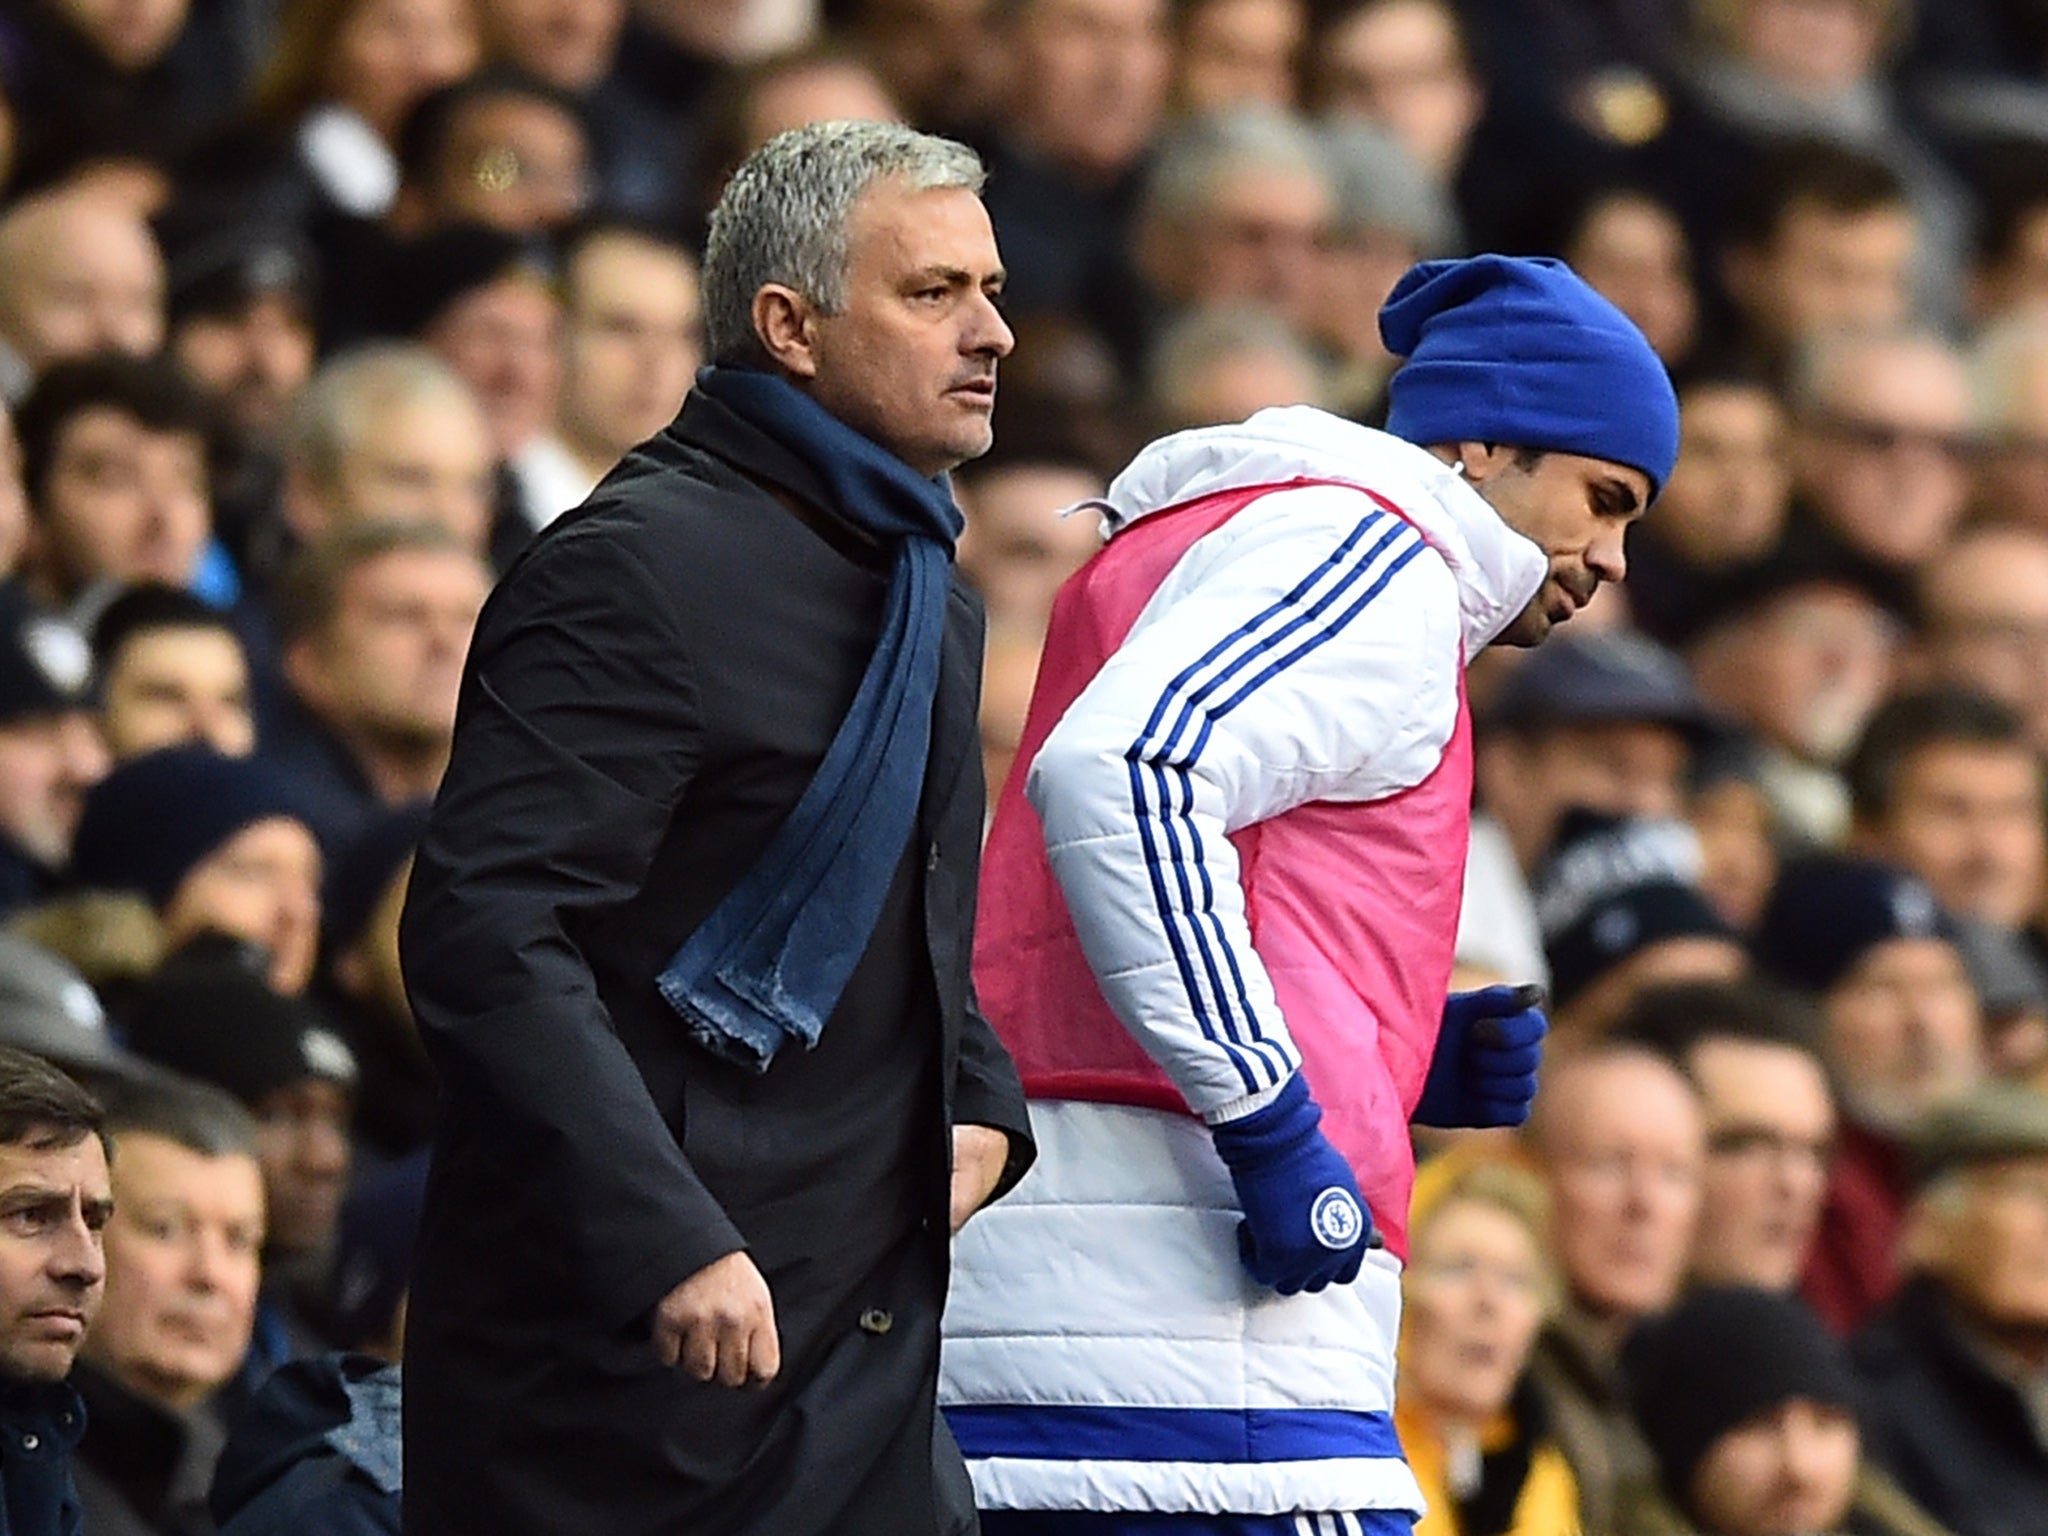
(1484, 460)
(786, 325)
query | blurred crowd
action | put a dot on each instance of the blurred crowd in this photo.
(313, 311)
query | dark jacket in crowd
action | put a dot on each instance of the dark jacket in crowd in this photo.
(316, 1453)
(142, 1470)
(649, 692)
(40, 1424)
(1954, 1431)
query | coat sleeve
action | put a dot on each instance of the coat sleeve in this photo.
(987, 1091)
(578, 733)
(1308, 650)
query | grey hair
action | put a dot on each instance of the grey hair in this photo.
(197, 1116)
(1379, 186)
(1820, 360)
(783, 217)
(2000, 362)
(1208, 338)
(347, 394)
(1195, 157)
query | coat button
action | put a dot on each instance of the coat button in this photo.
(931, 859)
(876, 1321)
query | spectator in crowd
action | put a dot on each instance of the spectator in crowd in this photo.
(115, 454)
(1947, 786)
(171, 671)
(1388, 216)
(217, 845)
(1402, 65)
(1009, 671)
(79, 274)
(1821, 239)
(1213, 366)
(241, 312)
(2010, 273)
(1237, 53)
(1880, 446)
(1632, 248)
(1751, 1407)
(1618, 1136)
(568, 44)
(1902, 1036)
(1234, 210)
(497, 148)
(340, 81)
(1984, 621)
(388, 433)
(183, 1265)
(1723, 512)
(1477, 1287)
(317, 1453)
(1086, 91)
(49, 1010)
(364, 988)
(53, 1169)
(1731, 816)
(373, 1260)
(1800, 656)
(1753, 1055)
(484, 302)
(2009, 379)
(210, 1014)
(1620, 908)
(1027, 531)
(376, 621)
(1952, 1370)
(935, 58)
(50, 748)
(631, 342)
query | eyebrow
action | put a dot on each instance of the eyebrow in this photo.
(958, 275)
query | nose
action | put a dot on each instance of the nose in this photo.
(988, 334)
(1607, 555)
(323, 1149)
(78, 1260)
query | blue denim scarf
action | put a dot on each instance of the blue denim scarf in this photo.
(768, 965)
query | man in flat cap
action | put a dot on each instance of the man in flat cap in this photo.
(1220, 897)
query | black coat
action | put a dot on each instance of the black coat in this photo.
(1955, 1435)
(649, 692)
(40, 1423)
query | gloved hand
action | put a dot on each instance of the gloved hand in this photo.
(1484, 1071)
(1305, 1224)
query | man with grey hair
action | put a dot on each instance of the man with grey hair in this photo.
(688, 932)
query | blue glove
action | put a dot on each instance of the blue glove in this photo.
(1484, 1071)
(1305, 1224)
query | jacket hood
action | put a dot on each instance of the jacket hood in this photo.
(1497, 570)
(345, 1405)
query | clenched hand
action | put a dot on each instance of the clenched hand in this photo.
(719, 1325)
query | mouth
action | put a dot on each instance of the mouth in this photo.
(66, 1322)
(980, 392)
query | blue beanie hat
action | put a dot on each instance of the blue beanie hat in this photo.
(146, 824)
(1520, 351)
(1828, 911)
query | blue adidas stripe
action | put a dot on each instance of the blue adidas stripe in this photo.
(1230, 1436)
(1259, 1062)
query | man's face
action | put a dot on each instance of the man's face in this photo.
(171, 686)
(1785, 1472)
(254, 360)
(1399, 65)
(427, 459)
(47, 763)
(54, 1203)
(1091, 80)
(567, 43)
(1966, 818)
(1727, 496)
(822, 91)
(1806, 671)
(1993, 1251)
(302, 1140)
(391, 664)
(631, 345)
(1235, 52)
(263, 885)
(1623, 1149)
(1884, 456)
(1257, 242)
(1770, 1129)
(1017, 549)
(183, 1252)
(1575, 509)
(1633, 252)
(1828, 271)
(1904, 1033)
(91, 281)
(1617, 767)
(911, 360)
(1812, 47)
(130, 34)
(515, 163)
(1984, 608)
(2020, 281)
(504, 340)
(123, 502)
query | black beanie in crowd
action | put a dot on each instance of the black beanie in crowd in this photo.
(1719, 1358)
